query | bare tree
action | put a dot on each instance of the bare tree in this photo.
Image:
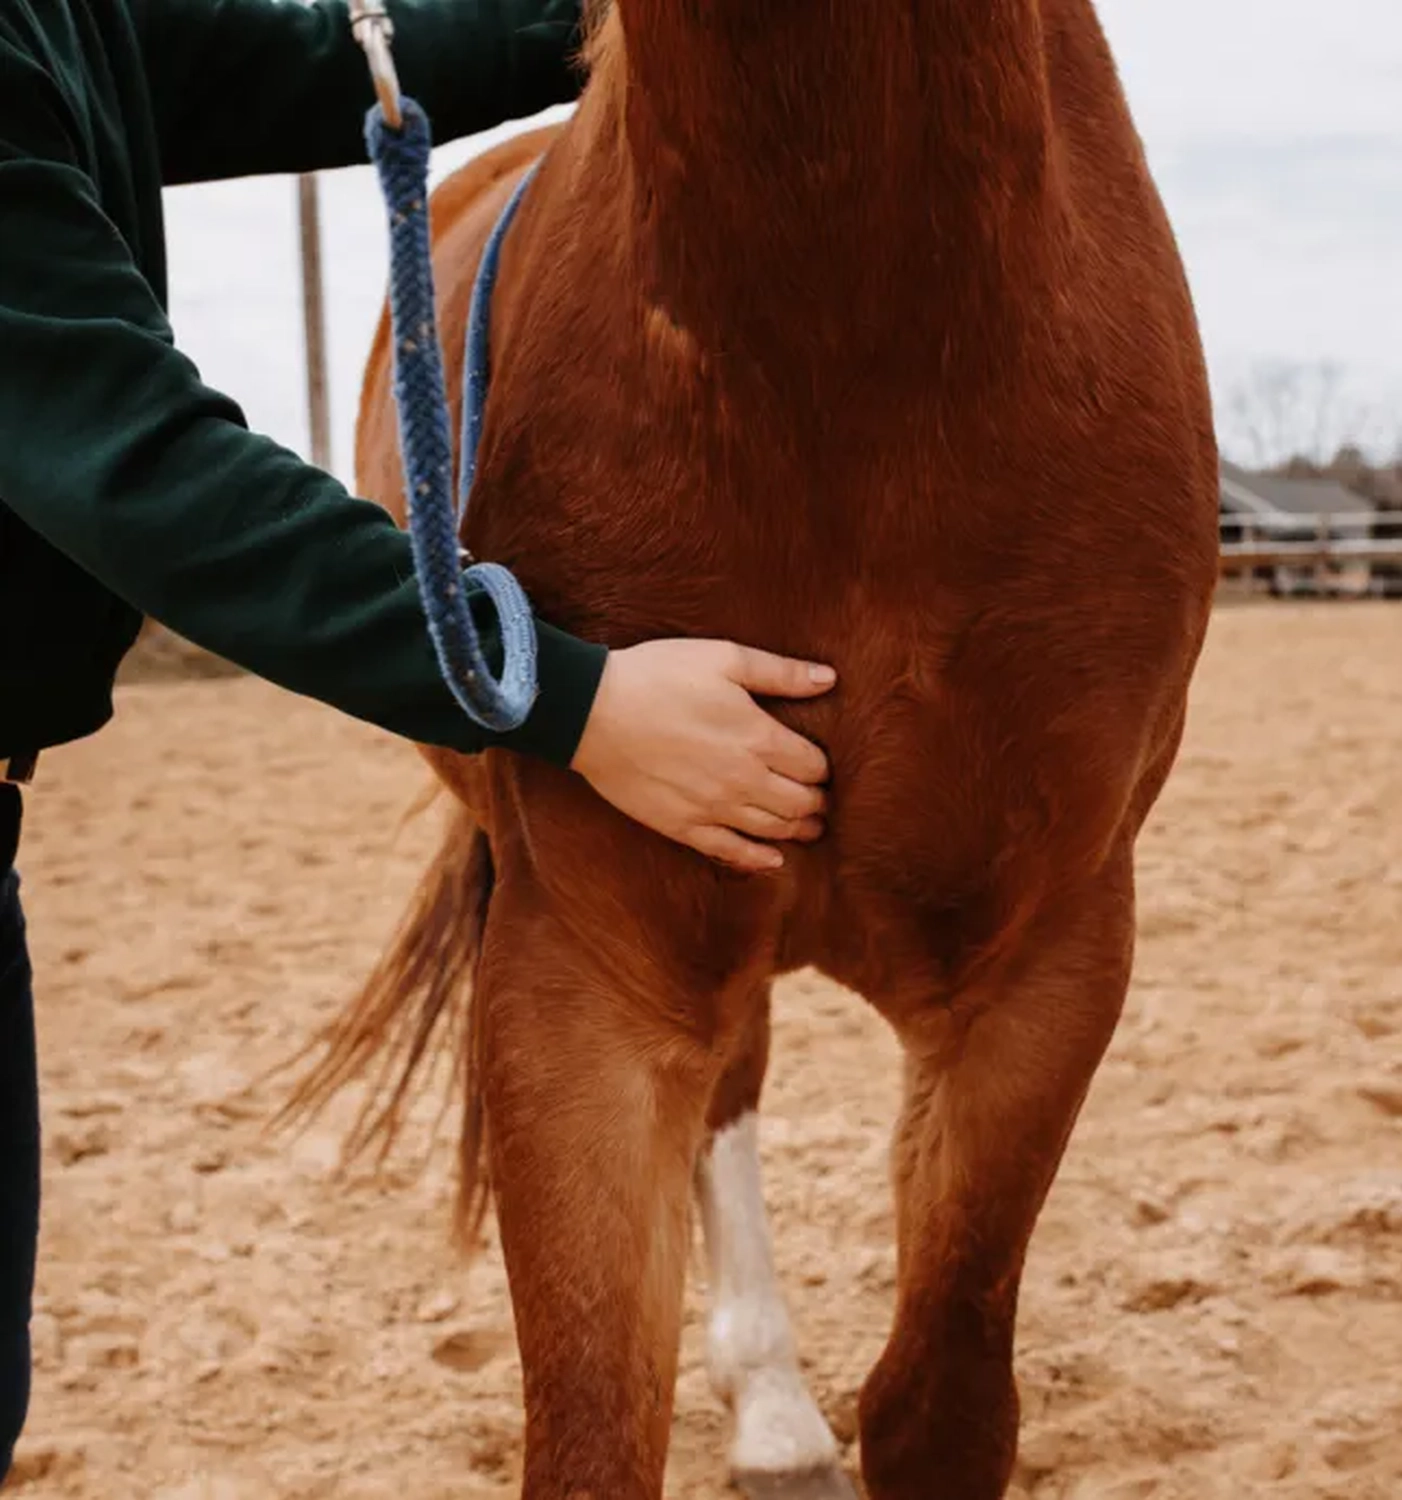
(1286, 410)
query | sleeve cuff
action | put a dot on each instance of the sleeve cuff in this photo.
(569, 671)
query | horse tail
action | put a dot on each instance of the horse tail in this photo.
(416, 1005)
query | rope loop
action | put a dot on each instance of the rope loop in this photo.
(401, 159)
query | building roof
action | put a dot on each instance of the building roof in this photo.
(1264, 495)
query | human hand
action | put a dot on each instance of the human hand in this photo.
(675, 740)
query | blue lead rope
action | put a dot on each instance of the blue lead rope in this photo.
(425, 441)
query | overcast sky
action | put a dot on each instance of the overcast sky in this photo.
(1274, 128)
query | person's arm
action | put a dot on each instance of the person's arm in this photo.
(113, 449)
(245, 87)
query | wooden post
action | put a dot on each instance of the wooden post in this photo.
(314, 321)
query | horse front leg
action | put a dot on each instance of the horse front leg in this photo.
(994, 1083)
(596, 1096)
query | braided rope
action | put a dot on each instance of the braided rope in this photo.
(425, 441)
(477, 366)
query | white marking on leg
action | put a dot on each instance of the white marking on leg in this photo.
(750, 1344)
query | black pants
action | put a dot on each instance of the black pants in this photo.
(19, 1140)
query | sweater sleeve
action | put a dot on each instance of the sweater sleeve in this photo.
(113, 449)
(242, 87)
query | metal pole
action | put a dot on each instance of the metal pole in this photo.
(314, 320)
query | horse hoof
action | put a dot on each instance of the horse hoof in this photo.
(826, 1483)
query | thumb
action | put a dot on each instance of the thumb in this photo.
(780, 676)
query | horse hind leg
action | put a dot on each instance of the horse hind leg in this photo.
(782, 1448)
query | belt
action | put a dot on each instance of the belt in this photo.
(18, 769)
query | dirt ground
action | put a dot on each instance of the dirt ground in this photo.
(1213, 1305)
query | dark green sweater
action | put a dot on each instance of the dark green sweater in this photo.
(126, 484)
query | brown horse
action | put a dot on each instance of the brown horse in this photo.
(856, 332)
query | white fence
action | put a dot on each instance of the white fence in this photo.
(1310, 541)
